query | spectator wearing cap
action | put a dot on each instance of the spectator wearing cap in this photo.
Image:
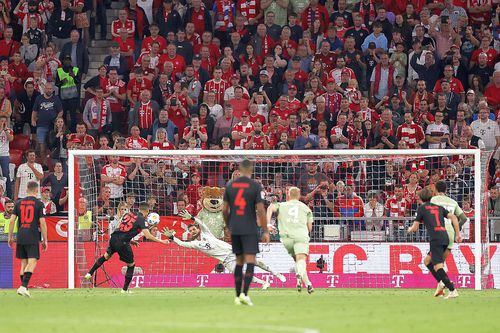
(263, 84)
(49, 206)
(68, 80)
(382, 79)
(429, 71)
(492, 92)
(397, 108)
(241, 131)
(482, 70)
(78, 53)
(97, 114)
(486, 129)
(385, 140)
(300, 75)
(117, 60)
(99, 80)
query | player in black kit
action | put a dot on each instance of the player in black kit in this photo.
(432, 216)
(130, 226)
(243, 203)
(29, 213)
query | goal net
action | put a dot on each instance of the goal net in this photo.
(362, 202)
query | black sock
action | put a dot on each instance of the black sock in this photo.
(238, 278)
(21, 276)
(430, 267)
(248, 277)
(97, 264)
(26, 278)
(446, 280)
(128, 276)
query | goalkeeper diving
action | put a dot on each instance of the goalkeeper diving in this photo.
(204, 241)
(295, 221)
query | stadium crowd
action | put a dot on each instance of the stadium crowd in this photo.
(247, 75)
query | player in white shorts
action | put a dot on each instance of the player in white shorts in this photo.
(204, 241)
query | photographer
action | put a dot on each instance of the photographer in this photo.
(197, 132)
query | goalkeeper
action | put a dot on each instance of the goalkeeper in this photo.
(295, 221)
(204, 241)
(441, 199)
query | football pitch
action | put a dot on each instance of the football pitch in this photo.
(282, 311)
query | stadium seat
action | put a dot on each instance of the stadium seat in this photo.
(16, 156)
(21, 142)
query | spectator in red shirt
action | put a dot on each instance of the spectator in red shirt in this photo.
(257, 139)
(197, 132)
(135, 141)
(240, 104)
(312, 12)
(115, 92)
(410, 132)
(492, 92)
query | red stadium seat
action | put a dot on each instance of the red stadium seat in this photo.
(21, 142)
(16, 156)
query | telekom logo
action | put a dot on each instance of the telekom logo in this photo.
(269, 278)
(398, 280)
(332, 280)
(464, 281)
(201, 280)
(137, 281)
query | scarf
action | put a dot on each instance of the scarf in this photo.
(224, 15)
(312, 14)
(378, 74)
(248, 9)
(371, 12)
(418, 99)
(103, 115)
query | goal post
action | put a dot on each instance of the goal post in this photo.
(362, 169)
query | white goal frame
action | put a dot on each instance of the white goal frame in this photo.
(478, 172)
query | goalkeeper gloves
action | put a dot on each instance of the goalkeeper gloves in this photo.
(168, 233)
(185, 215)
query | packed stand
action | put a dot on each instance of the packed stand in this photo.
(246, 75)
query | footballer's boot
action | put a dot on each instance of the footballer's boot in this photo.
(452, 294)
(23, 291)
(128, 291)
(281, 277)
(440, 289)
(266, 285)
(299, 283)
(310, 289)
(245, 300)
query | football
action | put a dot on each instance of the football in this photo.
(153, 219)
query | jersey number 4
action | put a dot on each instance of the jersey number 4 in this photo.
(240, 201)
(127, 223)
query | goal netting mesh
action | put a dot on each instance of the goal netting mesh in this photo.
(362, 205)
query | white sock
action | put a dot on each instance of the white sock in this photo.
(302, 271)
(266, 268)
(257, 280)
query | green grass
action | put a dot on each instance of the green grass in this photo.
(282, 311)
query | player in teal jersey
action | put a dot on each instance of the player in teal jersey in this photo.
(441, 199)
(295, 221)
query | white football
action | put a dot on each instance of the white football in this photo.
(153, 219)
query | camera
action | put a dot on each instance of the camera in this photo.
(444, 19)
(324, 187)
(173, 101)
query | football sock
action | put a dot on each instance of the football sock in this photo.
(26, 278)
(128, 276)
(248, 277)
(97, 264)
(446, 280)
(301, 269)
(257, 280)
(264, 267)
(21, 276)
(238, 278)
(430, 267)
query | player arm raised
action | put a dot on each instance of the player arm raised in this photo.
(150, 237)
(187, 216)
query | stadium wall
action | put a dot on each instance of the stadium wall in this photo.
(347, 265)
